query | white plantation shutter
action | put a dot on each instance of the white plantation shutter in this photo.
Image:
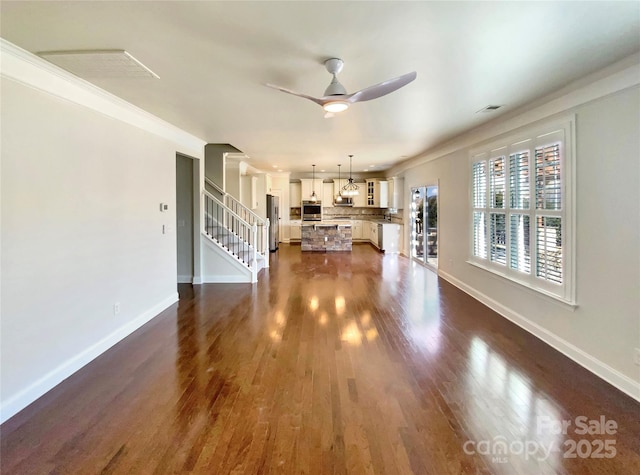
(549, 248)
(497, 238)
(479, 235)
(548, 184)
(520, 210)
(519, 189)
(479, 173)
(548, 199)
(520, 252)
(480, 184)
(497, 189)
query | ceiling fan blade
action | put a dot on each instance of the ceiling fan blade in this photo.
(299, 94)
(382, 89)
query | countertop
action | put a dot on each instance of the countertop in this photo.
(344, 222)
(338, 222)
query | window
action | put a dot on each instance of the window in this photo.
(521, 210)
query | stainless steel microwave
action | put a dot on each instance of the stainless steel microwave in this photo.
(311, 211)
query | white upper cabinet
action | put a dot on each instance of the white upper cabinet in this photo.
(373, 193)
(383, 194)
(295, 194)
(360, 200)
(337, 186)
(308, 186)
(327, 195)
(396, 192)
(377, 193)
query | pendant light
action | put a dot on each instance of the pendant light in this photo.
(314, 197)
(339, 197)
(350, 189)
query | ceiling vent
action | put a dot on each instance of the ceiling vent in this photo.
(92, 64)
(489, 108)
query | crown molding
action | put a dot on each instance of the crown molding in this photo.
(32, 71)
(614, 78)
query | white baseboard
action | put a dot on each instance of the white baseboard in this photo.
(597, 367)
(185, 279)
(197, 280)
(226, 279)
(32, 392)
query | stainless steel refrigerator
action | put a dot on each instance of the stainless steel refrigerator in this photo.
(273, 213)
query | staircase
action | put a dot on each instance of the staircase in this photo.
(240, 232)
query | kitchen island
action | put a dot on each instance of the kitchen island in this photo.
(326, 236)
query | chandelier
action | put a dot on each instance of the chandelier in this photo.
(350, 189)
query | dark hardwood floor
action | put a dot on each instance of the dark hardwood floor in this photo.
(333, 363)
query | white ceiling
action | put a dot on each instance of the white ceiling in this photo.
(213, 59)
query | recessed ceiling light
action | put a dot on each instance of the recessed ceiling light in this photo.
(321, 170)
(279, 170)
(275, 166)
(371, 166)
(99, 63)
(366, 169)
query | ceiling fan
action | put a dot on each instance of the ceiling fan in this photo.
(335, 97)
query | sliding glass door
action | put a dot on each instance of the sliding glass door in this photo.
(424, 224)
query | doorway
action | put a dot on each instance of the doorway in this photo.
(278, 193)
(185, 218)
(424, 225)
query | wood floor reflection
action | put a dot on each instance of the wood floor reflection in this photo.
(333, 363)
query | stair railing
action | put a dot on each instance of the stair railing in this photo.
(232, 232)
(249, 216)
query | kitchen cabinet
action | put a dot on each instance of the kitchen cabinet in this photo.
(327, 195)
(396, 192)
(308, 186)
(268, 184)
(295, 230)
(391, 235)
(356, 230)
(366, 230)
(377, 193)
(295, 194)
(360, 200)
(391, 238)
(374, 234)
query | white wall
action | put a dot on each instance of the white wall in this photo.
(602, 332)
(218, 268)
(81, 224)
(232, 179)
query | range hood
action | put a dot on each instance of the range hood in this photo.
(346, 201)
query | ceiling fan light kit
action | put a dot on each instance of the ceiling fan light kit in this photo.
(335, 97)
(336, 106)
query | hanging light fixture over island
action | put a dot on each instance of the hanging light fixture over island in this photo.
(339, 197)
(350, 189)
(314, 197)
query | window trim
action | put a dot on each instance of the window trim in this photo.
(506, 145)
